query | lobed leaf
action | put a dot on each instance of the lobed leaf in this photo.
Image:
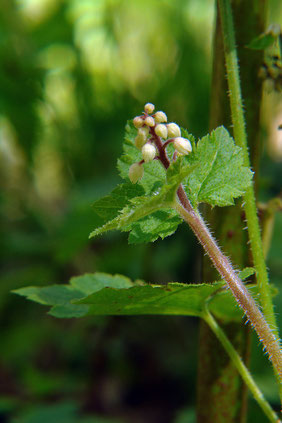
(152, 216)
(219, 175)
(104, 294)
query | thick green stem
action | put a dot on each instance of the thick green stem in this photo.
(240, 292)
(242, 369)
(241, 139)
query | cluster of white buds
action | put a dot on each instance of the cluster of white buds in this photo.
(152, 129)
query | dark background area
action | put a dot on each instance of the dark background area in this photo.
(72, 72)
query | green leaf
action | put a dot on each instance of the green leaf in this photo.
(61, 296)
(138, 208)
(262, 42)
(245, 273)
(109, 206)
(161, 224)
(219, 175)
(104, 294)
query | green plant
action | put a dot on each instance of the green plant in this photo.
(216, 172)
(171, 186)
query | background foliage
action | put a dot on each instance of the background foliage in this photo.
(71, 73)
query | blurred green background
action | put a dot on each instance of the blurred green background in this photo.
(71, 73)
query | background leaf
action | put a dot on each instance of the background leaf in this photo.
(262, 42)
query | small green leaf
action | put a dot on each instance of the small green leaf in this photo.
(161, 224)
(137, 209)
(262, 42)
(219, 175)
(247, 272)
(141, 207)
(109, 206)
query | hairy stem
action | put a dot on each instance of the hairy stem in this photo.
(241, 140)
(242, 369)
(240, 292)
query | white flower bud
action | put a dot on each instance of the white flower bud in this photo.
(148, 152)
(160, 117)
(173, 130)
(149, 108)
(182, 145)
(138, 122)
(161, 130)
(149, 121)
(135, 172)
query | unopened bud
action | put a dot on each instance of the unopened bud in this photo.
(138, 122)
(173, 130)
(139, 142)
(141, 137)
(149, 121)
(161, 130)
(135, 172)
(149, 108)
(182, 145)
(160, 117)
(148, 152)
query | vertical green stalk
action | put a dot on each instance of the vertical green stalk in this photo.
(242, 369)
(241, 139)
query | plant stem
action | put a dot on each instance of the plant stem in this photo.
(240, 292)
(242, 369)
(241, 140)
